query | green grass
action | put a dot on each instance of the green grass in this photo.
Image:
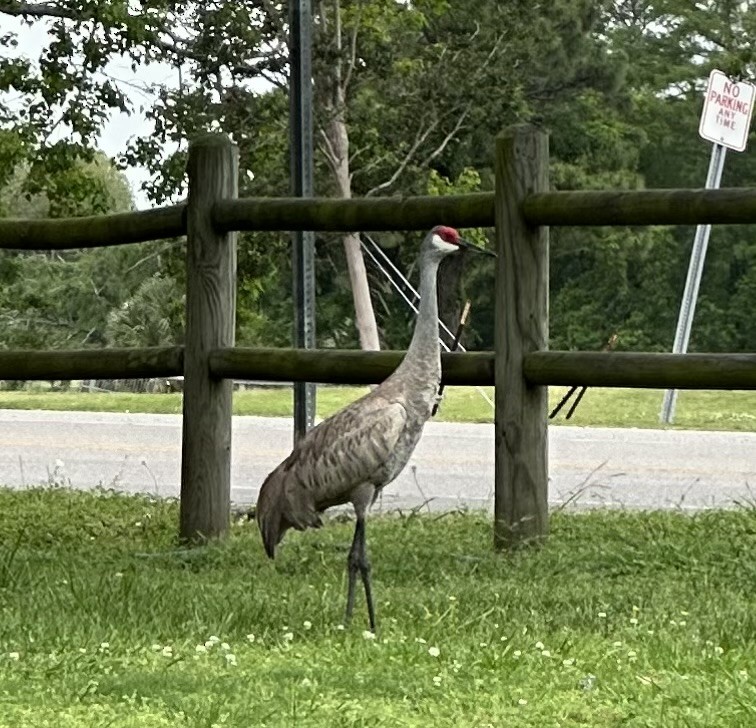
(621, 619)
(600, 407)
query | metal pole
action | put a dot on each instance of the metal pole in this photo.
(693, 281)
(303, 243)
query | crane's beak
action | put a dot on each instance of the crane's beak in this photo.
(475, 248)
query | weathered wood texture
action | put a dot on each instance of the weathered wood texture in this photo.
(521, 300)
(642, 207)
(93, 232)
(210, 320)
(379, 213)
(631, 369)
(636, 207)
(92, 363)
(341, 366)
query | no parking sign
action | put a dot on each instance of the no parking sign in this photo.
(727, 111)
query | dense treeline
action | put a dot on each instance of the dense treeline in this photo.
(408, 99)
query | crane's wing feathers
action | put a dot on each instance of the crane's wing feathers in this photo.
(345, 451)
(355, 446)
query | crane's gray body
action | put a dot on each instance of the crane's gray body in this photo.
(353, 454)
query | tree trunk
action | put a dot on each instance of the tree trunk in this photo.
(364, 315)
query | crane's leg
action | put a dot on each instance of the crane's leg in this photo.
(358, 562)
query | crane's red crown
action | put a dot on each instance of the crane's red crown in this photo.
(447, 234)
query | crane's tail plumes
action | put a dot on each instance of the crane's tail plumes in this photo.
(269, 513)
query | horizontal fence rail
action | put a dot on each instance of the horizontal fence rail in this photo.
(630, 369)
(642, 207)
(340, 366)
(379, 213)
(92, 232)
(93, 364)
(348, 366)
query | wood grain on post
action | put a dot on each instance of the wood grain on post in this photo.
(521, 300)
(210, 320)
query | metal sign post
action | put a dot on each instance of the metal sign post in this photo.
(692, 282)
(725, 120)
(303, 243)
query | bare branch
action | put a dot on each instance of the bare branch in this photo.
(420, 137)
(352, 53)
(448, 138)
(328, 151)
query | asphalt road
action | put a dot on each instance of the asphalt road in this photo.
(452, 467)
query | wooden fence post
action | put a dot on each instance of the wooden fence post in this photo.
(522, 290)
(210, 322)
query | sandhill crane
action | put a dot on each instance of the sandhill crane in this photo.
(352, 455)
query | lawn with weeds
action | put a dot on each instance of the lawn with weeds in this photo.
(706, 410)
(620, 619)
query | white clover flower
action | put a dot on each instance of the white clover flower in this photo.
(516, 654)
(539, 645)
(213, 639)
(307, 624)
(104, 646)
(250, 637)
(209, 645)
(368, 635)
(617, 644)
(632, 655)
(167, 651)
(230, 659)
(434, 651)
(633, 620)
(718, 650)
(14, 656)
(118, 575)
(225, 646)
(340, 627)
(155, 647)
(602, 615)
(200, 649)
(437, 681)
(546, 653)
(522, 701)
(288, 636)
(569, 662)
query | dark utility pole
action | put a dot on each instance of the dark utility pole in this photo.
(303, 243)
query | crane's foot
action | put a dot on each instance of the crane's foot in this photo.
(358, 563)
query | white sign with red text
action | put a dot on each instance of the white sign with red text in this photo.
(727, 111)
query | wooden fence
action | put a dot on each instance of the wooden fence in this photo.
(520, 366)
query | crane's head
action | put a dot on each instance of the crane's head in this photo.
(447, 240)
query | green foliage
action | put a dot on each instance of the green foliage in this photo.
(621, 618)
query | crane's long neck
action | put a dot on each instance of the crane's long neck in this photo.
(424, 344)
